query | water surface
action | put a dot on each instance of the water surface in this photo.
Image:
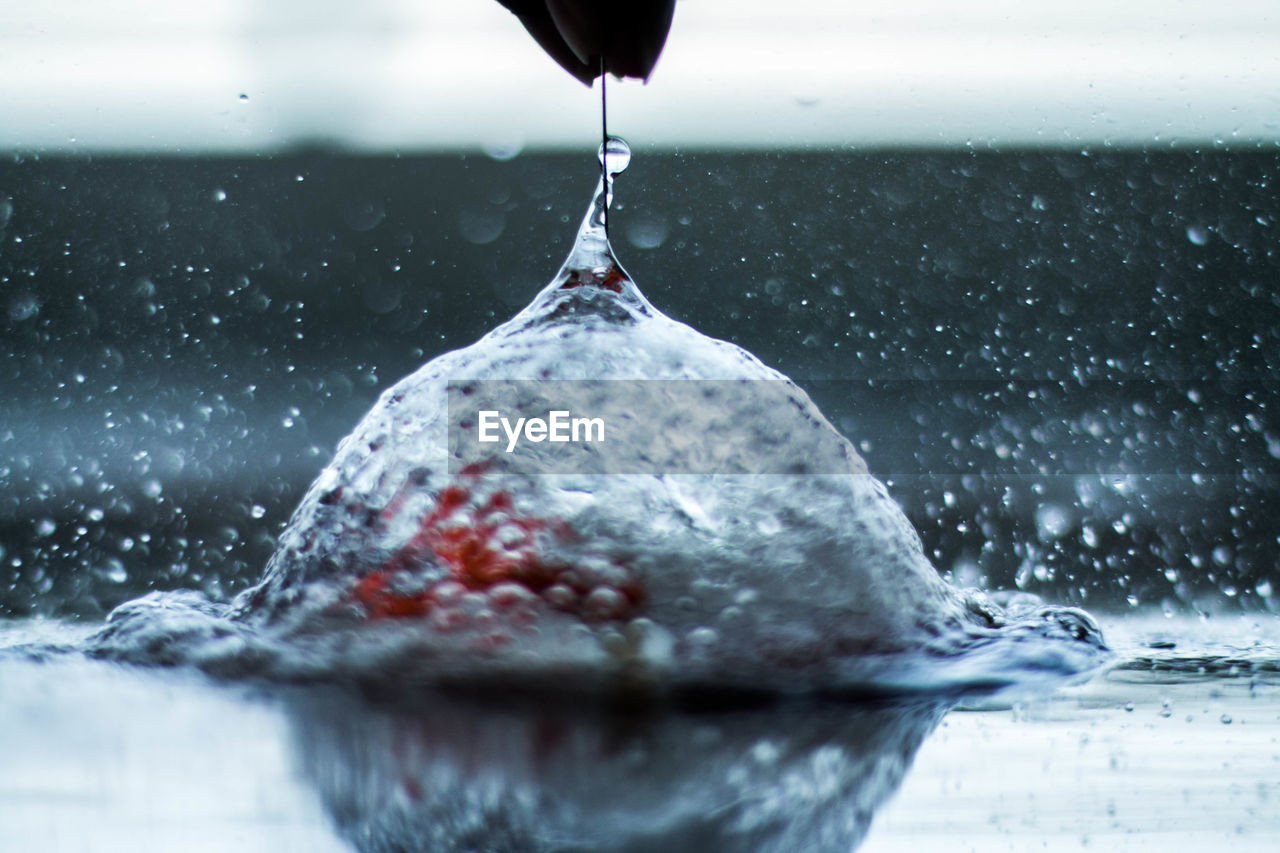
(107, 757)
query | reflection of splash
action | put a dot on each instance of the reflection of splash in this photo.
(452, 775)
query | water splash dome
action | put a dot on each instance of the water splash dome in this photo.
(719, 532)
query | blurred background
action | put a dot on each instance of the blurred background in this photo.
(1025, 255)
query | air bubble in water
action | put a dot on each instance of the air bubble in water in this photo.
(703, 637)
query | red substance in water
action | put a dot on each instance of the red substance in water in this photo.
(497, 563)
(611, 279)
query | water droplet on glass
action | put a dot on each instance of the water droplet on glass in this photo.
(219, 195)
(243, 97)
(257, 511)
(152, 488)
(1197, 234)
(1225, 719)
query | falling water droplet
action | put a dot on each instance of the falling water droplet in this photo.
(615, 155)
